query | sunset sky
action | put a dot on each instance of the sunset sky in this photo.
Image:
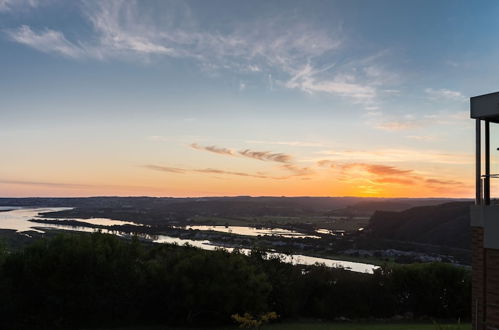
(211, 98)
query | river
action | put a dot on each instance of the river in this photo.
(18, 219)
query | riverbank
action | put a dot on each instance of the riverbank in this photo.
(28, 224)
(328, 249)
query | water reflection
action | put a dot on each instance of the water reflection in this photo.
(334, 232)
(18, 219)
(252, 231)
(296, 259)
(102, 221)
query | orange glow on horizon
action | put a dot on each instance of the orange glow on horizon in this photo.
(196, 186)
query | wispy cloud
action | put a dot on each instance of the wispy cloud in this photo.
(288, 166)
(289, 48)
(260, 155)
(443, 182)
(217, 171)
(377, 169)
(124, 28)
(214, 149)
(8, 5)
(165, 169)
(398, 155)
(46, 41)
(415, 121)
(385, 170)
(359, 79)
(266, 156)
(298, 170)
(308, 80)
(378, 175)
(176, 170)
(445, 94)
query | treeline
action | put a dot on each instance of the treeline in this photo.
(86, 280)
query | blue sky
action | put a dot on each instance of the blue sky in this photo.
(163, 97)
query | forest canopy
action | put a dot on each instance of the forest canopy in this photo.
(76, 280)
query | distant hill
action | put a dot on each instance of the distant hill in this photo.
(446, 225)
(160, 210)
(399, 204)
(242, 205)
(366, 207)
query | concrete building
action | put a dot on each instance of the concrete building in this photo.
(485, 220)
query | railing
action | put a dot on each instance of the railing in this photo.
(485, 189)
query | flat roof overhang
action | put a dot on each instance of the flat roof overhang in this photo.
(485, 107)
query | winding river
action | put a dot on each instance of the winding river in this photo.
(16, 218)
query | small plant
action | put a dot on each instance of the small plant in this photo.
(447, 326)
(249, 321)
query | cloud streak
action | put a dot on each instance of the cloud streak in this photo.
(165, 169)
(176, 170)
(417, 121)
(398, 156)
(248, 153)
(266, 156)
(124, 29)
(375, 175)
(9, 5)
(217, 171)
(445, 94)
(308, 80)
(385, 170)
(296, 171)
(66, 185)
(286, 48)
(214, 149)
(46, 41)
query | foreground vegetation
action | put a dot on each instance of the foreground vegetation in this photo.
(88, 280)
(330, 326)
(366, 326)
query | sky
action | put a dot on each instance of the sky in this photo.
(225, 98)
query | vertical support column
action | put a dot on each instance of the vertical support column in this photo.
(478, 162)
(486, 195)
(486, 188)
(478, 279)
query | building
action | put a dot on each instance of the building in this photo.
(485, 220)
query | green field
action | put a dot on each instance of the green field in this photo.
(328, 222)
(329, 326)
